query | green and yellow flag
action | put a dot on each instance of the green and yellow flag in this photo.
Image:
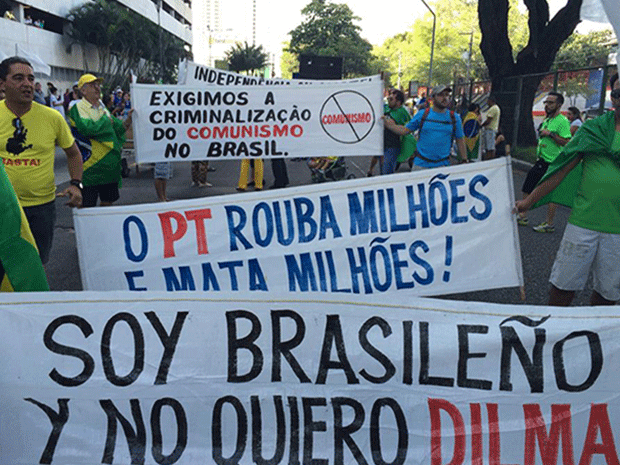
(100, 137)
(471, 129)
(21, 269)
(595, 136)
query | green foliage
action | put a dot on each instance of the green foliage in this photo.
(288, 63)
(328, 30)
(584, 50)
(244, 57)
(456, 21)
(125, 41)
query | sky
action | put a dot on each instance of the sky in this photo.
(379, 21)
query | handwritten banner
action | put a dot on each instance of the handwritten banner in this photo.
(425, 233)
(151, 379)
(194, 74)
(197, 123)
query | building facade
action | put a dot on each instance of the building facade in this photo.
(34, 29)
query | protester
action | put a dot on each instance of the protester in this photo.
(490, 125)
(391, 141)
(199, 173)
(56, 101)
(72, 97)
(39, 96)
(438, 127)
(29, 133)
(554, 133)
(106, 135)
(280, 173)
(574, 117)
(257, 170)
(586, 176)
(162, 172)
(502, 147)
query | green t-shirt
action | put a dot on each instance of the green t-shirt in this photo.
(547, 148)
(597, 202)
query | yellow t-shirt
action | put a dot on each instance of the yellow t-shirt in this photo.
(27, 148)
(493, 113)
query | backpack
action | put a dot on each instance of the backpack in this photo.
(423, 120)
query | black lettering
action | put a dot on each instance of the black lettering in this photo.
(342, 434)
(375, 353)
(596, 361)
(283, 348)
(136, 438)
(334, 337)
(533, 368)
(169, 341)
(310, 426)
(424, 377)
(106, 353)
(58, 421)
(181, 420)
(216, 431)
(464, 355)
(257, 432)
(247, 342)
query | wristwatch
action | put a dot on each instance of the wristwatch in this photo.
(77, 183)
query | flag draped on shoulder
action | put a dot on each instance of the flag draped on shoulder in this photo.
(106, 135)
(595, 137)
(20, 265)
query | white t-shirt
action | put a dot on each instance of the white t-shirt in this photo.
(57, 104)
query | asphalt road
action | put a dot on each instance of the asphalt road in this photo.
(537, 250)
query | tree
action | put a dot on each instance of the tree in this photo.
(456, 21)
(125, 41)
(328, 30)
(244, 57)
(581, 50)
(546, 36)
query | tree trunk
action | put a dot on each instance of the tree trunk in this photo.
(546, 38)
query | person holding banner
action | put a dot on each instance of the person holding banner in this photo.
(490, 126)
(471, 129)
(29, 133)
(586, 176)
(391, 141)
(105, 135)
(438, 127)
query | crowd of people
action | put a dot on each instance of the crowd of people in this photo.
(92, 130)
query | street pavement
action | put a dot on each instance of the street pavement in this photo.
(537, 249)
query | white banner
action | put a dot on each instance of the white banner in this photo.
(193, 74)
(201, 123)
(429, 232)
(88, 378)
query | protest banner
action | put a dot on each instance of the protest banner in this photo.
(177, 123)
(149, 379)
(194, 74)
(430, 232)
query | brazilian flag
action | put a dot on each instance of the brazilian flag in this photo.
(471, 128)
(100, 142)
(20, 265)
(595, 136)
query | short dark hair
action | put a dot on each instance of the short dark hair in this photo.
(473, 107)
(559, 96)
(399, 94)
(575, 111)
(493, 98)
(5, 65)
(612, 80)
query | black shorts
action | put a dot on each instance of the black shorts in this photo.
(106, 192)
(42, 219)
(534, 175)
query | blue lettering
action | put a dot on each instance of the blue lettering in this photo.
(483, 198)
(375, 252)
(456, 199)
(257, 278)
(423, 263)
(398, 264)
(438, 207)
(143, 239)
(288, 240)
(362, 220)
(234, 283)
(208, 278)
(304, 218)
(262, 241)
(304, 277)
(356, 270)
(328, 219)
(173, 284)
(130, 276)
(394, 226)
(234, 230)
(414, 207)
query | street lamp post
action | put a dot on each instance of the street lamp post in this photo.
(430, 68)
(161, 49)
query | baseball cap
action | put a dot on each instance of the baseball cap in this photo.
(439, 89)
(87, 79)
(118, 89)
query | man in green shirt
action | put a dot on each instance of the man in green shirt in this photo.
(554, 133)
(586, 177)
(391, 141)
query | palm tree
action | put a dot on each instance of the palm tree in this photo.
(245, 57)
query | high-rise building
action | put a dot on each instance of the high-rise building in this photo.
(34, 29)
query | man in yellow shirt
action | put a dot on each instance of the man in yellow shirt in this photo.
(490, 125)
(29, 133)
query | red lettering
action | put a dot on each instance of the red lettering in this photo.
(599, 422)
(297, 130)
(198, 216)
(535, 429)
(435, 406)
(494, 437)
(191, 133)
(170, 236)
(476, 434)
(205, 132)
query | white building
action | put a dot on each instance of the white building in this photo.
(52, 57)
